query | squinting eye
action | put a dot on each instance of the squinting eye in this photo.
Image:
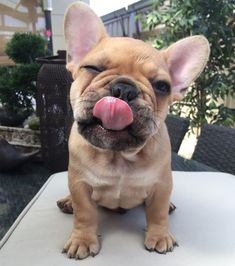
(162, 87)
(93, 69)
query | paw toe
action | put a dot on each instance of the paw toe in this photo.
(150, 244)
(65, 206)
(82, 252)
(94, 249)
(161, 246)
(172, 207)
(160, 243)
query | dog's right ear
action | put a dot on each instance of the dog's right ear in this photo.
(83, 29)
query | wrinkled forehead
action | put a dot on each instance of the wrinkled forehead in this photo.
(128, 54)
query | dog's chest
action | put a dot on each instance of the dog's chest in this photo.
(123, 190)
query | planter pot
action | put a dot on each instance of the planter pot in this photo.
(54, 111)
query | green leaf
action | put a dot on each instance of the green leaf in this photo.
(214, 19)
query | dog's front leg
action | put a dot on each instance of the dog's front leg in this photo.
(83, 240)
(157, 236)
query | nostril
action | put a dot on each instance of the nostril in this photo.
(116, 91)
(124, 91)
(132, 94)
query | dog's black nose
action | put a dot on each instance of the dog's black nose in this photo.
(124, 91)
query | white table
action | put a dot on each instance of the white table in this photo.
(203, 223)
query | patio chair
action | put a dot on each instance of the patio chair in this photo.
(216, 148)
(177, 128)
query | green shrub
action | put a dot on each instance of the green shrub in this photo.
(18, 83)
(215, 20)
(17, 87)
(34, 123)
(25, 47)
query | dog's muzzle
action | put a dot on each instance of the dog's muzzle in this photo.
(124, 91)
(130, 124)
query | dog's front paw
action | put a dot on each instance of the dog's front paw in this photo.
(160, 242)
(81, 245)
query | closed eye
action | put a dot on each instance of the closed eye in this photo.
(93, 69)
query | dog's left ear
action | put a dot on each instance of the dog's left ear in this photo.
(186, 59)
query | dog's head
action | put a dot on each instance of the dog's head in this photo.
(122, 87)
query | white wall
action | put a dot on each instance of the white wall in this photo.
(18, 16)
(57, 18)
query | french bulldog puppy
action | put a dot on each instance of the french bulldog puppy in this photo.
(119, 149)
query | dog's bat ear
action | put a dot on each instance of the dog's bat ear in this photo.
(186, 59)
(83, 29)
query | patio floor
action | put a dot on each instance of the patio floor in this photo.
(17, 188)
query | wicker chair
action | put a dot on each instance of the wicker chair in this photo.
(216, 148)
(177, 128)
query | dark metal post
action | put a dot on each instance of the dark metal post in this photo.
(47, 7)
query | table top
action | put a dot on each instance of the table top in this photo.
(203, 224)
(31, 176)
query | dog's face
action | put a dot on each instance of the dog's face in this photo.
(146, 79)
(142, 81)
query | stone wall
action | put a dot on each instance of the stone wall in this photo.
(26, 139)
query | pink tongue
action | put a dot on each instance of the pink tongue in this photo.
(114, 113)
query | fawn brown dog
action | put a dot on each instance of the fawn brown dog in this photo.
(119, 148)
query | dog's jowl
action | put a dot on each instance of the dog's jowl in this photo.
(119, 149)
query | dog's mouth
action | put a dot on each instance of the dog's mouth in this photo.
(101, 137)
(112, 124)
